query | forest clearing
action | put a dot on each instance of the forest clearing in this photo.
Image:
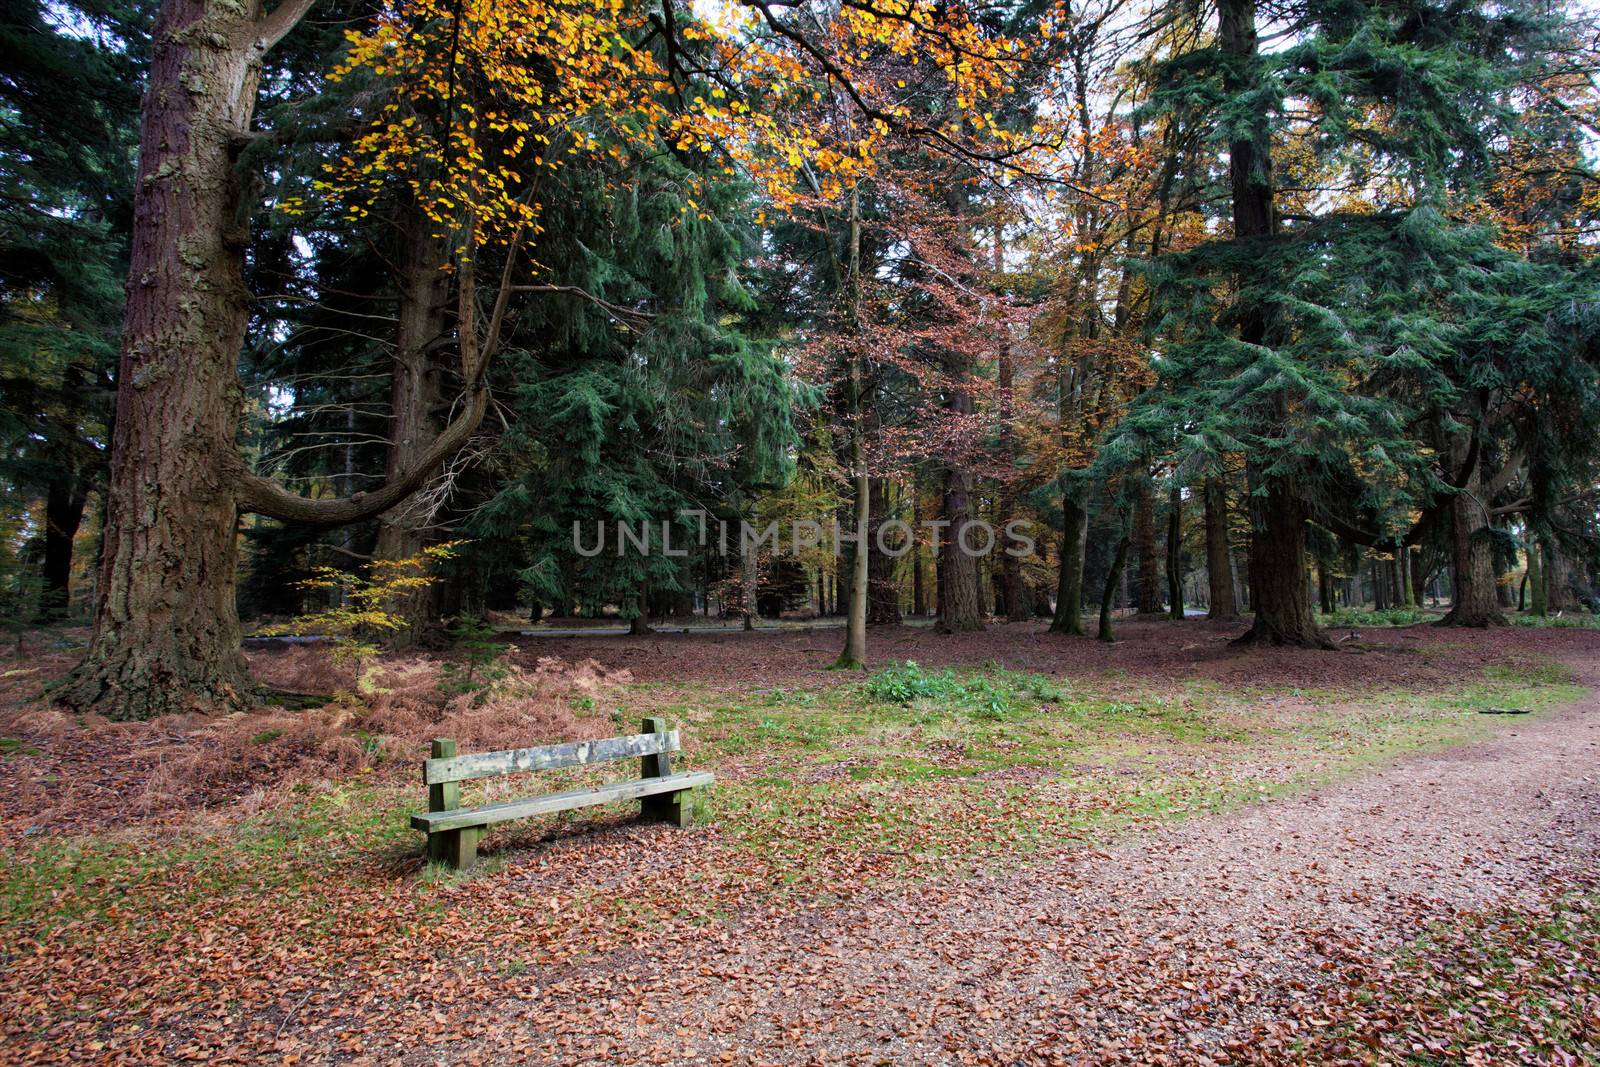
(1174, 853)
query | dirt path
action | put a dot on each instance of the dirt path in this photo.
(1171, 948)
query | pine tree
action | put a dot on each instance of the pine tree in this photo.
(1314, 345)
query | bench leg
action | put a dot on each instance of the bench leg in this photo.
(675, 808)
(458, 848)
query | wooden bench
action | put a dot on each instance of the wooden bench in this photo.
(453, 831)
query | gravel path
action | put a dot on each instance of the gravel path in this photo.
(1173, 947)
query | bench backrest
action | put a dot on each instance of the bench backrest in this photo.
(446, 766)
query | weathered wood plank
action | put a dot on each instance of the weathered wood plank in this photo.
(444, 796)
(676, 808)
(435, 822)
(545, 758)
(659, 764)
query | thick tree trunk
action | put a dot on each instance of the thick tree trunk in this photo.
(1279, 583)
(1069, 595)
(63, 515)
(959, 608)
(1473, 602)
(416, 402)
(1175, 552)
(1014, 592)
(1219, 564)
(1557, 579)
(1535, 582)
(1108, 590)
(166, 626)
(166, 635)
(1144, 534)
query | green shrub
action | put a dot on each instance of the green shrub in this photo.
(992, 693)
(1386, 617)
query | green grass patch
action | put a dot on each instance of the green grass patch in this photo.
(1576, 621)
(11, 746)
(1346, 617)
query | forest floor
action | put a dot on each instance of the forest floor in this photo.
(1023, 848)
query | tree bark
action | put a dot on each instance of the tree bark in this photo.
(1219, 563)
(919, 595)
(959, 609)
(1069, 595)
(1144, 533)
(1013, 591)
(1175, 552)
(166, 635)
(416, 398)
(854, 654)
(1108, 590)
(1279, 583)
(883, 592)
(1472, 575)
(1557, 579)
(1536, 587)
(749, 584)
(166, 627)
(65, 500)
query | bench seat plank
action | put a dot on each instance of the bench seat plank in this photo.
(435, 821)
(546, 757)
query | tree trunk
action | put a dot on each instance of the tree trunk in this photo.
(854, 656)
(1557, 579)
(1144, 532)
(1473, 602)
(883, 592)
(1279, 583)
(1219, 565)
(1535, 582)
(1069, 595)
(919, 594)
(166, 626)
(1012, 590)
(1279, 589)
(65, 500)
(416, 399)
(166, 636)
(749, 584)
(1108, 590)
(959, 609)
(1175, 552)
